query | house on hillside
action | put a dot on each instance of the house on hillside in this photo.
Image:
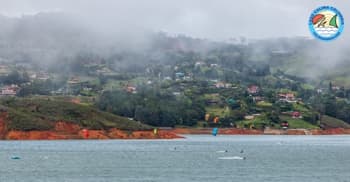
(188, 78)
(293, 114)
(75, 85)
(222, 85)
(285, 125)
(258, 98)
(73, 80)
(104, 71)
(199, 63)
(319, 91)
(253, 89)
(249, 117)
(4, 70)
(219, 85)
(131, 89)
(179, 75)
(228, 85)
(287, 97)
(9, 90)
(167, 78)
(296, 114)
(176, 93)
(75, 100)
(42, 76)
(335, 88)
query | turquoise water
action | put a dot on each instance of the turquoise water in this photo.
(197, 158)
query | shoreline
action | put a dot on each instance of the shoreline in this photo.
(235, 131)
(67, 131)
(93, 135)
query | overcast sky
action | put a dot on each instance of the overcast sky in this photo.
(212, 19)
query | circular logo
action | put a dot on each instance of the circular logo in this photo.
(326, 23)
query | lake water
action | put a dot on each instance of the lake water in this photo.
(196, 158)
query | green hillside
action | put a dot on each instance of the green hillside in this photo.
(40, 114)
(331, 122)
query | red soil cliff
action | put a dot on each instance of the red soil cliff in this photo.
(66, 130)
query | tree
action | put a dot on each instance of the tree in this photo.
(273, 116)
(15, 77)
(331, 106)
(153, 107)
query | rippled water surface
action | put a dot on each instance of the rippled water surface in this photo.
(196, 158)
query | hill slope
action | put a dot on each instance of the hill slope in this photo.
(331, 122)
(41, 114)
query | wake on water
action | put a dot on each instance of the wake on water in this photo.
(232, 158)
(221, 151)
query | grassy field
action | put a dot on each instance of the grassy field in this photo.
(264, 104)
(218, 111)
(83, 100)
(330, 122)
(344, 81)
(257, 122)
(307, 86)
(300, 107)
(298, 123)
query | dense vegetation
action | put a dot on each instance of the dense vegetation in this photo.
(153, 108)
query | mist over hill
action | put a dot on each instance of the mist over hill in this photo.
(58, 39)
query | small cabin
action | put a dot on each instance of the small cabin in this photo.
(179, 75)
(296, 114)
(249, 117)
(258, 99)
(285, 125)
(199, 63)
(73, 80)
(220, 85)
(216, 119)
(10, 90)
(287, 97)
(131, 89)
(253, 89)
(42, 76)
(214, 65)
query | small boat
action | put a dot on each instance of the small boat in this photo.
(15, 157)
(221, 151)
